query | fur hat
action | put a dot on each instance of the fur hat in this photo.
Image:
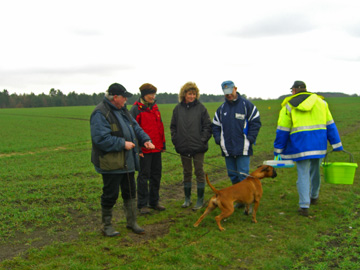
(147, 88)
(189, 86)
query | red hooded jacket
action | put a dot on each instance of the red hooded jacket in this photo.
(149, 119)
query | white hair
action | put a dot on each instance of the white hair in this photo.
(108, 96)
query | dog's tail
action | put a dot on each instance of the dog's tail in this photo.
(211, 186)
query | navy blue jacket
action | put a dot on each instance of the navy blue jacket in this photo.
(235, 127)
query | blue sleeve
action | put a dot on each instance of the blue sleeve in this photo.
(101, 134)
(216, 126)
(334, 137)
(254, 122)
(280, 141)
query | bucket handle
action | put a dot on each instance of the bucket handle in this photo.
(350, 155)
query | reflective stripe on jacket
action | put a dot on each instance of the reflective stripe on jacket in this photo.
(305, 125)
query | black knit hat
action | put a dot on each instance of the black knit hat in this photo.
(119, 90)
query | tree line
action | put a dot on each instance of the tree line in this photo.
(56, 98)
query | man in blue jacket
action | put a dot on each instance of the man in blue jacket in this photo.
(115, 135)
(235, 127)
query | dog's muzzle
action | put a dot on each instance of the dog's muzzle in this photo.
(274, 173)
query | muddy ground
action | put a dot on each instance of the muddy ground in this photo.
(39, 238)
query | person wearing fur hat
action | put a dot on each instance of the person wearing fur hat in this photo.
(147, 114)
(190, 132)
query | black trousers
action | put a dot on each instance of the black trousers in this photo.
(112, 185)
(148, 180)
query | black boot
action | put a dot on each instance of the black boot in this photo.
(187, 192)
(200, 196)
(106, 217)
(130, 213)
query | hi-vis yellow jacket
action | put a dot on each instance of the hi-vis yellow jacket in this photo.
(305, 125)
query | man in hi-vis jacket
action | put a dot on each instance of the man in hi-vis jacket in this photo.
(305, 125)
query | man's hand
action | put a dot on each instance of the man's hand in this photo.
(149, 145)
(129, 145)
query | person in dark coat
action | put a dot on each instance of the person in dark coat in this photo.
(115, 136)
(190, 132)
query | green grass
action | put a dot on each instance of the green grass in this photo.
(50, 204)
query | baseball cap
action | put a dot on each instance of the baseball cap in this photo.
(298, 84)
(227, 87)
(119, 90)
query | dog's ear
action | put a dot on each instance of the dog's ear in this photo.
(265, 168)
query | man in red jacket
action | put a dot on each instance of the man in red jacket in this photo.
(147, 114)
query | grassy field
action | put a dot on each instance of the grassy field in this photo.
(50, 203)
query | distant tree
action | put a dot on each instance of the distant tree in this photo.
(72, 99)
(4, 99)
(52, 92)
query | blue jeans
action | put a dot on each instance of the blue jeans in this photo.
(308, 183)
(236, 164)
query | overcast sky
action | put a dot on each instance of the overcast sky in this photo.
(263, 46)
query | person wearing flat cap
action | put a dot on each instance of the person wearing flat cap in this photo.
(115, 136)
(147, 114)
(235, 127)
(304, 126)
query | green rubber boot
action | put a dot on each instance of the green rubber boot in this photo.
(200, 196)
(106, 216)
(130, 213)
(187, 192)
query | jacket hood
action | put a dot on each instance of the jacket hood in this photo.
(303, 101)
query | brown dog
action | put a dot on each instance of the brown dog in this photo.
(247, 191)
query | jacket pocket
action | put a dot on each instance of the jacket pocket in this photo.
(113, 161)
